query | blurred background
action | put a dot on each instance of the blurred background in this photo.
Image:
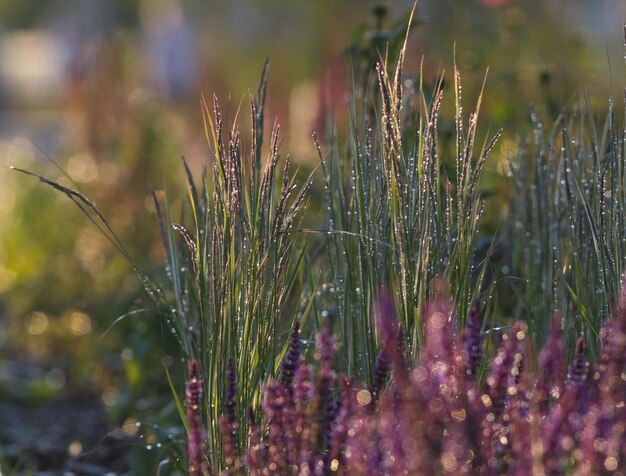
(110, 90)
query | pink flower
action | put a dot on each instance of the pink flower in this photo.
(195, 443)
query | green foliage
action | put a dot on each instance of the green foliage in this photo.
(397, 218)
(236, 270)
(567, 223)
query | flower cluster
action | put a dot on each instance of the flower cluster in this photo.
(196, 460)
(439, 417)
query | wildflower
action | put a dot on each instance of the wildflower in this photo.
(231, 393)
(195, 444)
(551, 364)
(473, 341)
(381, 372)
(228, 424)
(292, 357)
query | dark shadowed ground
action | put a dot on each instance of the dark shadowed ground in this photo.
(65, 435)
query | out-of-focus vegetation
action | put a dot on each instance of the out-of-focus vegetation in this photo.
(111, 91)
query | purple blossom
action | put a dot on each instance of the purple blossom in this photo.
(439, 418)
(325, 345)
(303, 386)
(343, 424)
(381, 373)
(228, 424)
(256, 456)
(552, 364)
(473, 341)
(439, 343)
(324, 404)
(579, 368)
(274, 402)
(231, 393)
(292, 357)
(196, 459)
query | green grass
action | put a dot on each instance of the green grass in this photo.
(400, 215)
(567, 223)
(236, 268)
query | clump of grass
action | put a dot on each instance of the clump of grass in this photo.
(567, 223)
(236, 269)
(396, 217)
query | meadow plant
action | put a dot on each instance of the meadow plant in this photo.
(399, 215)
(566, 223)
(236, 271)
(195, 447)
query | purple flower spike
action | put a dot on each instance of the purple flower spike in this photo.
(381, 373)
(231, 393)
(505, 423)
(195, 444)
(303, 384)
(391, 336)
(274, 404)
(228, 423)
(473, 341)
(551, 363)
(342, 426)
(579, 368)
(438, 351)
(292, 357)
(325, 406)
(232, 463)
(302, 394)
(505, 371)
(255, 458)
